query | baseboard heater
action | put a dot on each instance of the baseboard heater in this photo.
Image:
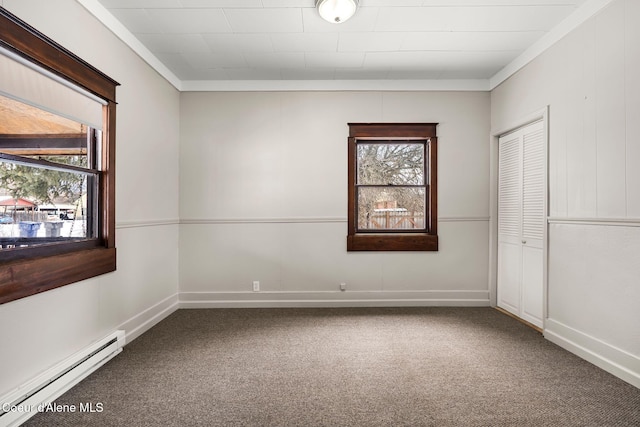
(27, 400)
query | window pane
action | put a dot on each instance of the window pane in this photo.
(391, 208)
(40, 206)
(391, 164)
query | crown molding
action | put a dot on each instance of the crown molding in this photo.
(332, 85)
(573, 21)
(108, 20)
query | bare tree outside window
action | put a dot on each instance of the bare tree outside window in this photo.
(391, 185)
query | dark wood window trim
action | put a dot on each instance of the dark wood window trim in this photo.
(31, 270)
(389, 240)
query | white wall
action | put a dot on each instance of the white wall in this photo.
(589, 80)
(41, 330)
(263, 196)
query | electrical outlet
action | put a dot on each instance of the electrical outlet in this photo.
(343, 286)
(256, 286)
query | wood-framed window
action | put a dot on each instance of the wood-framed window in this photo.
(392, 187)
(57, 154)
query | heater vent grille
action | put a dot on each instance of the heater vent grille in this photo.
(23, 403)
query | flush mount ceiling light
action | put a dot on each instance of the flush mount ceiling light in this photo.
(336, 11)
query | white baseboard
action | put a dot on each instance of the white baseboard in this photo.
(617, 362)
(144, 321)
(334, 299)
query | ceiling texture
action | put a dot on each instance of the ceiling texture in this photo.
(236, 41)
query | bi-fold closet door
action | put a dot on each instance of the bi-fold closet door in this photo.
(521, 222)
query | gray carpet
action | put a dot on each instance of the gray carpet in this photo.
(348, 367)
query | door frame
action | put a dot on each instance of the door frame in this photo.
(542, 114)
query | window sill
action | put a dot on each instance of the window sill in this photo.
(392, 242)
(22, 278)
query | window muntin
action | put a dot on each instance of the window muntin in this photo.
(392, 187)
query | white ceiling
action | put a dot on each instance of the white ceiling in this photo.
(387, 40)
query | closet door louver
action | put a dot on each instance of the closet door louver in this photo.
(533, 185)
(509, 188)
